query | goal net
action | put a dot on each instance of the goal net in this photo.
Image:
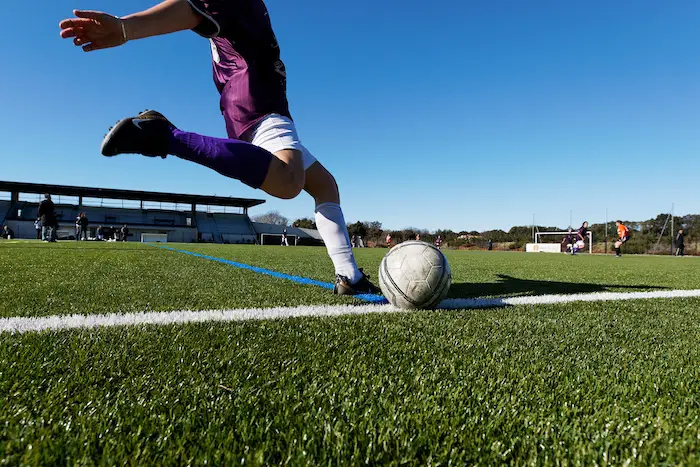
(553, 242)
(154, 238)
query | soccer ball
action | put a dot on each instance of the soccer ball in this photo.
(415, 275)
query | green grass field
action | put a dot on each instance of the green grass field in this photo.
(582, 383)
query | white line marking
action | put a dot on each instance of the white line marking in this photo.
(54, 323)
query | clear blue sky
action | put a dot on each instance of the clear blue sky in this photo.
(456, 114)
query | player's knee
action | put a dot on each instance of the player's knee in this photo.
(293, 182)
(285, 177)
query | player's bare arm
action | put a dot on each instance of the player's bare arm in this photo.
(95, 30)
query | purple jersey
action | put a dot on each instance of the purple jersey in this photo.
(248, 71)
(582, 233)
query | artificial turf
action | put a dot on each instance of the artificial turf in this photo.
(593, 383)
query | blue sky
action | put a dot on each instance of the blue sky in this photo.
(466, 115)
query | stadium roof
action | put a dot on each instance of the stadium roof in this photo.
(107, 193)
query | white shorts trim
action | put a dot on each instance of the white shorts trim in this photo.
(276, 133)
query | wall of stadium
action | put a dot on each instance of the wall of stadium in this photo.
(26, 230)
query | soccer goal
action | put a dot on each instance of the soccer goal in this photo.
(550, 242)
(154, 238)
(276, 239)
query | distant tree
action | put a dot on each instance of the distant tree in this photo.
(408, 233)
(373, 230)
(446, 235)
(498, 236)
(358, 228)
(305, 223)
(271, 217)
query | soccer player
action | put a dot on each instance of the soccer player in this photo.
(438, 242)
(263, 150)
(623, 233)
(581, 236)
(568, 241)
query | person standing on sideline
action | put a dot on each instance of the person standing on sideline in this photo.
(438, 242)
(490, 245)
(77, 227)
(680, 243)
(285, 242)
(37, 227)
(98, 233)
(47, 214)
(124, 233)
(84, 223)
(263, 149)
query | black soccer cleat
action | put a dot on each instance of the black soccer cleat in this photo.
(363, 286)
(146, 134)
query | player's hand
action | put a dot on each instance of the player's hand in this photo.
(94, 30)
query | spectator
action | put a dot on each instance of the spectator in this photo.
(84, 222)
(37, 227)
(418, 237)
(490, 245)
(438, 242)
(99, 234)
(124, 232)
(353, 241)
(285, 242)
(47, 214)
(360, 243)
(7, 233)
(680, 243)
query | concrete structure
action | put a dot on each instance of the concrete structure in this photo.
(141, 211)
(183, 218)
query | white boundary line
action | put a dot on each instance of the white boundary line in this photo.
(55, 323)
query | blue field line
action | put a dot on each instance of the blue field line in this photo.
(370, 298)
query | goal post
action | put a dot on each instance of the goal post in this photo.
(550, 242)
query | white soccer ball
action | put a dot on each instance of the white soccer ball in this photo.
(415, 275)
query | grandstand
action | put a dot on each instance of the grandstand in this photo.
(183, 218)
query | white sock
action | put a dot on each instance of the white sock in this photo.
(331, 225)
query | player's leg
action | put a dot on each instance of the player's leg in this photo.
(330, 222)
(280, 174)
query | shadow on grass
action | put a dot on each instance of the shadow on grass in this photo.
(512, 286)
